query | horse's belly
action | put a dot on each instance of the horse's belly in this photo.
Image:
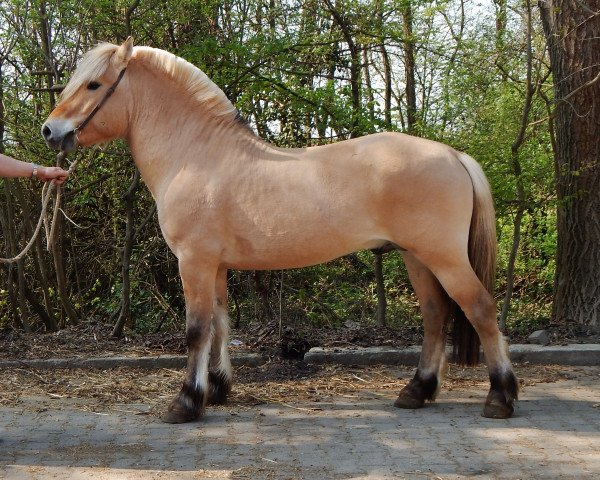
(277, 254)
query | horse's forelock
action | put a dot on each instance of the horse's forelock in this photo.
(93, 64)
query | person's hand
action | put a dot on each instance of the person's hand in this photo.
(52, 173)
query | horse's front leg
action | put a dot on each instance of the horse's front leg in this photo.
(220, 375)
(199, 290)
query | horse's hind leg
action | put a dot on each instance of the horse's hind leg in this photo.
(435, 308)
(460, 282)
(219, 375)
(199, 289)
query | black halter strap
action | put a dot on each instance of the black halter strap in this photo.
(109, 92)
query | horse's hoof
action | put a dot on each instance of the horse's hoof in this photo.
(504, 390)
(407, 400)
(176, 416)
(217, 399)
(187, 406)
(220, 388)
(497, 410)
(419, 389)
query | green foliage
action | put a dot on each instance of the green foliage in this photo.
(287, 66)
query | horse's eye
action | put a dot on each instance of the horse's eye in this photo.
(93, 86)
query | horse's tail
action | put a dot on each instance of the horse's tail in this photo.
(482, 255)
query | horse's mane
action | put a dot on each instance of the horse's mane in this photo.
(191, 79)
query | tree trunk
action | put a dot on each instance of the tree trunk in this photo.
(355, 66)
(263, 308)
(45, 314)
(57, 246)
(501, 8)
(573, 37)
(387, 95)
(47, 49)
(125, 309)
(368, 87)
(409, 69)
(12, 237)
(128, 14)
(61, 277)
(518, 173)
(380, 285)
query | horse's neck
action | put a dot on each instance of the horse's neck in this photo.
(173, 136)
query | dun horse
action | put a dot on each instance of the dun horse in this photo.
(228, 200)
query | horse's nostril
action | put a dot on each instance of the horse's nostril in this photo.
(46, 132)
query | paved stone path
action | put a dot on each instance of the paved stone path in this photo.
(555, 434)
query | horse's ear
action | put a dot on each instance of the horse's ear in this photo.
(123, 54)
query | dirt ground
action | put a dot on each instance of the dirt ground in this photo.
(284, 379)
(281, 382)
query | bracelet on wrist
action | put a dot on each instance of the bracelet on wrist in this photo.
(34, 173)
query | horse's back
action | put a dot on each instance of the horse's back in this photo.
(395, 170)
(390, 153)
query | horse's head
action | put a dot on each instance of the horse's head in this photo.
(85, 115)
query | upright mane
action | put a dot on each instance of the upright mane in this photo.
(191, 79)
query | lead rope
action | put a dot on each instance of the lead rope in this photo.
(46, 194)
(47, 190)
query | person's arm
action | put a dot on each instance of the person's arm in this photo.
(13, 168)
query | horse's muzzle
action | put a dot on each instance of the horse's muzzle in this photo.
(59, 135)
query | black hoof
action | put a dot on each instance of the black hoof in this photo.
(418, 390)
(504, 390)
(497, 410)
(178, 416)
(220, 388)
(406, 399)
(187, 406)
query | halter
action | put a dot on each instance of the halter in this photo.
(109, 92)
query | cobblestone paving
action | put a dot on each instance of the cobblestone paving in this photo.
(554, 434)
